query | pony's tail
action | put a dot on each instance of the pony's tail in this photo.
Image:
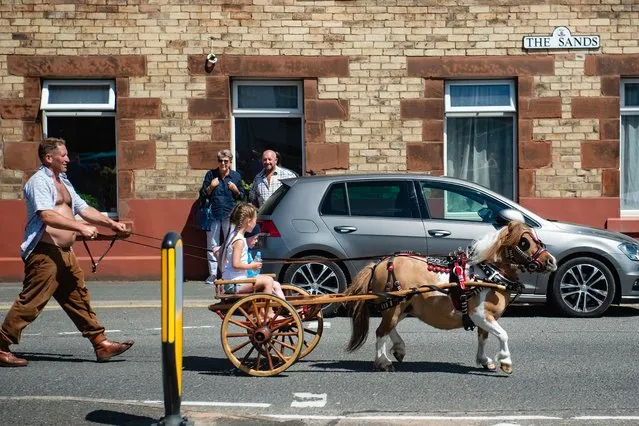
(360, 315)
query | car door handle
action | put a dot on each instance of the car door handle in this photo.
(438, 233)
(345, 229)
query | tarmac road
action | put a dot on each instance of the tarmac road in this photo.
(566, 371)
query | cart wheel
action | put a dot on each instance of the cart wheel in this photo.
(262, 335)
(312, 319)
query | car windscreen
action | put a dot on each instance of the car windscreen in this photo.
(269, 206)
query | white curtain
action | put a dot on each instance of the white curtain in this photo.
(480, 149)
(630, 163)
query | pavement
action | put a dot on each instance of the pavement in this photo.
(137, 294)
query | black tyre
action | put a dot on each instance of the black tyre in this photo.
(319, 277)
(583, 287)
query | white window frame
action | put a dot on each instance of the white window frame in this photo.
(297, 112)
(109, 106)
(268, 112)
(624, 110)
(80, 110)
(492, 111)
(471, 111)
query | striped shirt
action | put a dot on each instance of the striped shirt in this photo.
(40, 194)
(261, 190)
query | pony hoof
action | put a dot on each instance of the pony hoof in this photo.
(507, 368)
(388, 368)
(399, 357)
(490, 366)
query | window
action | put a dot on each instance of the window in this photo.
(82, 112)
(629, 155)
(267, 115)
(394, 199)
(446, 201)
(480, 133)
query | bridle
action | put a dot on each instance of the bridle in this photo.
(519, 255)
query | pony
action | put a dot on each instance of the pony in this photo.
(500, 254)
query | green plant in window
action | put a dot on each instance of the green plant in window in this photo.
(247, 188)
(90, 200)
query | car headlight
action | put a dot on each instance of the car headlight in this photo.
(631, 250)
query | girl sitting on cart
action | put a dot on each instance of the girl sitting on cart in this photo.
(235, 264)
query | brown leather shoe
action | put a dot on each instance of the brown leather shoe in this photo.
(8, 359)
(107, 349)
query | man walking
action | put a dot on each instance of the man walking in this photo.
(268, 180)
(50, 266)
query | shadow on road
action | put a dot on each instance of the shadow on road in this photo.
(210, 365)
(109, 417)
(403, 367)
(34, 356)
(545, 311)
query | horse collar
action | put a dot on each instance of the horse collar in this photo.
(495, 276)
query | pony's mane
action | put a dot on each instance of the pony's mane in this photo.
(487, 247)
(483, 248)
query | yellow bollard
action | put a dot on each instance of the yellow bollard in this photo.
(172, 279)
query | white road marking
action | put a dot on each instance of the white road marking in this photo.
(305, 399)
(66, 333)
(133, 401)
(189, 327)
(390, 418)
(313, 324)
(605, 418)
(225, 404)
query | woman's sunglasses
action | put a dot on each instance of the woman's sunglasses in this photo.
(223, 161)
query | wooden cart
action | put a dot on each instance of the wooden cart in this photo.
(263, 335)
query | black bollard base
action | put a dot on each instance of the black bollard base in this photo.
(173, 420)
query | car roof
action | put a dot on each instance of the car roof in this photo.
(368, 176)
(407, 175)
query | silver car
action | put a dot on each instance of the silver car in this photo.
(346, 217)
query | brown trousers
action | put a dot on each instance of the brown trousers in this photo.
(51, 271)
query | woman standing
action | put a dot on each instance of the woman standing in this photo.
(220, 189)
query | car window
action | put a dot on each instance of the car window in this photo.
(382, 199)
(269, 206)
(459, 203)
(335, 201)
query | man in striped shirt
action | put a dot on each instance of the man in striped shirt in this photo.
(51, 268)
(268, 180)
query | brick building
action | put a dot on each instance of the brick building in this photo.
(335, 86)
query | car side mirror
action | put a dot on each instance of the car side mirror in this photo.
(506, 215)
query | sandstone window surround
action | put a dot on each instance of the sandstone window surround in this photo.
(428, 155)
(132, 154)
(319, 155)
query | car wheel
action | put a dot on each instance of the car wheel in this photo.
(583, 287)
(317, 278)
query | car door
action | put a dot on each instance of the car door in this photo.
(374, 218)
(455, 215)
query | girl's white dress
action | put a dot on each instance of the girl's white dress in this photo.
(228, 272)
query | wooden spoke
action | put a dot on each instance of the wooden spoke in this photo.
(259, 347)
(240, 346)
(238, 335)
(241, 324)
(246, 315)
(308, 314)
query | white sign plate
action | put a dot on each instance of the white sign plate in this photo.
(562, 39)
